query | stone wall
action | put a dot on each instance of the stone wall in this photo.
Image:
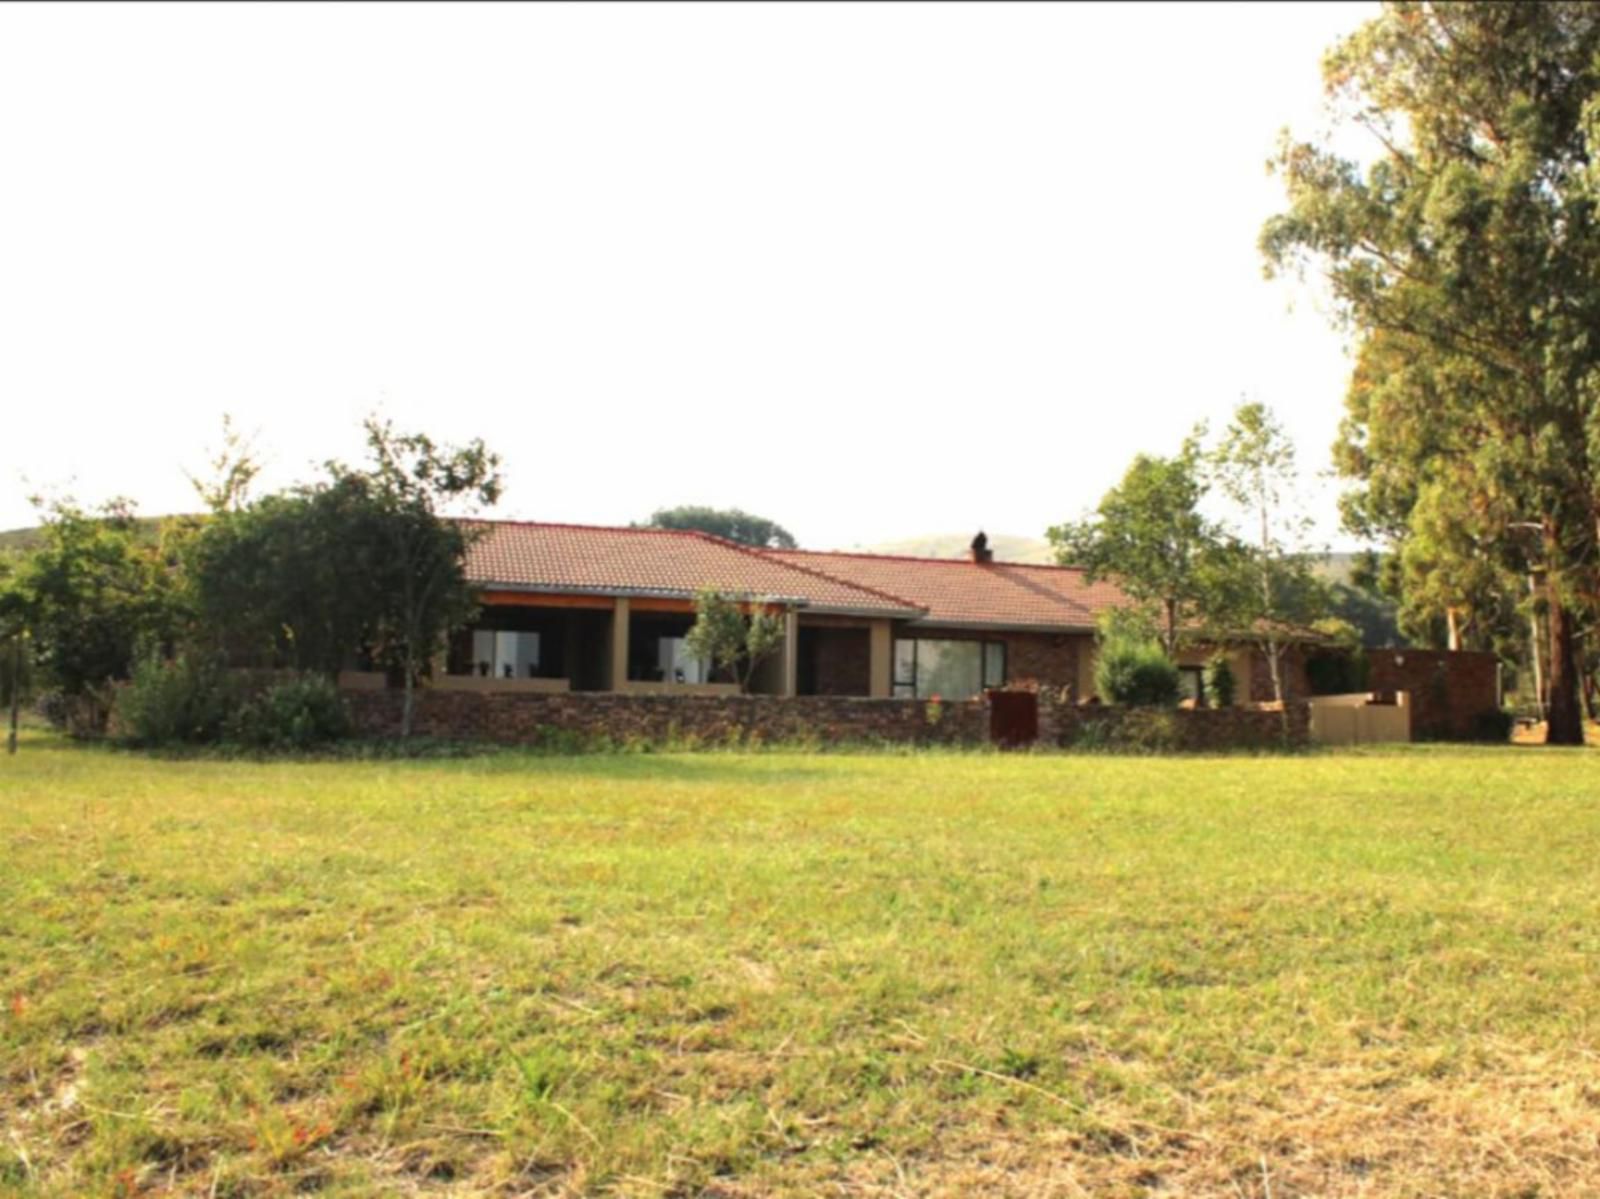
(526, 718)
(1450, 689)
(1181, 730)
(523, 718)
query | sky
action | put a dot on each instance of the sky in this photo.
(873, 271)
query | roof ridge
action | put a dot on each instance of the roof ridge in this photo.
(768, 554)
(564, 524)
(922, 558)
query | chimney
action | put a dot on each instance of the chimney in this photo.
(981, 552)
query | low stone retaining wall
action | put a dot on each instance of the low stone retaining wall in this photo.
(1180, 730)
(526, 718)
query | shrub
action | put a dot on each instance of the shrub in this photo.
(1492, 724)
(298, 714)
(185, 701)
(1219, 682)
(1135, 673)
(1337, 672)
(1135, 732)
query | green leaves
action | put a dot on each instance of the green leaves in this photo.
(730, 640)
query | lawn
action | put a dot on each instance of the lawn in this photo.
(752, 974)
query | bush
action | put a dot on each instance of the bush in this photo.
(1137, 732)
(186, 701)
(1337, 672)
(1492, 724)
(299, 714)
(1219, 682)
(1136, 673)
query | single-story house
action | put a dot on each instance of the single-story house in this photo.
(586, 608)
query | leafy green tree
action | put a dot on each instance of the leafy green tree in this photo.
(1263, 589)
(1466, 259)
(730, 523)
(292, 580)
(1149, 537)
(15, 673)
(1218, 681)
(94, 593)
(233, 471)
(729, 639)
(1136, 673)
(419, 556)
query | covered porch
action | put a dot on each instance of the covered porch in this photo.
(635, 644)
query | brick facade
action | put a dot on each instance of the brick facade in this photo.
(1295, 683)
(1032, 659)
(1450, 689)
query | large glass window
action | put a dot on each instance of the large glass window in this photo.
(677, 666)
(925, 667)
(501, 654)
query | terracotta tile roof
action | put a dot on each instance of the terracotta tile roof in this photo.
(670, 562)
(961, 592)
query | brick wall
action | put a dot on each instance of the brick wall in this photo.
(1293, 664)
(520, 718)
(1449, 689)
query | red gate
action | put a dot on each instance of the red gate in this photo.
(1013, 718)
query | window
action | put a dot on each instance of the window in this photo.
(676, 665)
(1191, 684)
(925, 667)
(501, 654)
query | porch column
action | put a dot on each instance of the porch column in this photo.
(880, 660)
(791, 652)
(619, 644)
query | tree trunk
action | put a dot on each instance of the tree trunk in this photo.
(16, 691)
(1535, 649)
(408, 704)
(1172, 628)
(1565, 721)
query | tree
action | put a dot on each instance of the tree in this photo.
(15, 608)
(730, 523)
(96, 591)
(292, 580)
(1263, 589)
(723, 635)
(1149, 536)
(419, 556)
(1466, 260)
(233, 471)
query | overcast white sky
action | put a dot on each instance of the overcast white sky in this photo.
(872, 271)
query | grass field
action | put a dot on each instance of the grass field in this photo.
(753, 974)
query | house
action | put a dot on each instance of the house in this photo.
(599, 609)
